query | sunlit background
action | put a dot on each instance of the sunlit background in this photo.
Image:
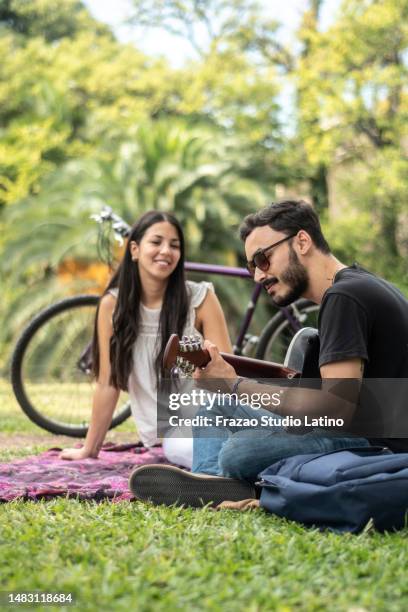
(206, 109)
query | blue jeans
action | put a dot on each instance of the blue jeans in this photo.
(243, 453)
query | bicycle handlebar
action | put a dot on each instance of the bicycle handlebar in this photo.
(122, 230)
(119, 226)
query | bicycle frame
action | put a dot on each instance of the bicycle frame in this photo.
(241, 273)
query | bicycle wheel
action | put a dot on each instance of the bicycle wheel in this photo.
(50, 369)
(277, 334)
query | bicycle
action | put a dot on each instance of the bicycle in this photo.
(51, 362)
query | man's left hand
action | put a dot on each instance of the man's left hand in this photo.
(217, 368)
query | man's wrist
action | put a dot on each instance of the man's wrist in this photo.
(235, 385)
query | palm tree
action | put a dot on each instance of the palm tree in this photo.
(197, 173)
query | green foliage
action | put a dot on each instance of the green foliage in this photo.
(354, 75)
(47, 19)
(86, 120)
(234, 80)
(197, 173)
(58, 101)
(353, 109)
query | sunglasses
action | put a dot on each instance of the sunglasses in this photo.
(260, 260)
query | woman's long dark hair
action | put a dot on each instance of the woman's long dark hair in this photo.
(126, 315)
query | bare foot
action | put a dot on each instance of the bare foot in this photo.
(243, 504)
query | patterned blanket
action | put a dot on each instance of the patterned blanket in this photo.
(46, 476)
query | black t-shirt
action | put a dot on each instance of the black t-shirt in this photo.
(362, 315)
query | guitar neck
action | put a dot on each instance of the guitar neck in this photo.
(256, 368)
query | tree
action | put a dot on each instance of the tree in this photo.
(354, 112)
(47, 19)
(233, 80)
(66, 86)
(206, 24)
(196, 173)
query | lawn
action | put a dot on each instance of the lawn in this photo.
(130, 556)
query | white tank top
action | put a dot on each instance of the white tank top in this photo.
(142, 383)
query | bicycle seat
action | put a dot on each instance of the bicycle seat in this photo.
(303, 353)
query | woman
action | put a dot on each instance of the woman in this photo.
(146, 301)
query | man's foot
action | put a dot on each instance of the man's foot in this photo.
(168, 485)
(242, 506)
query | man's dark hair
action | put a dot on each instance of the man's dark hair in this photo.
(289, 217)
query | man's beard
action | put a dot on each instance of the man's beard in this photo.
(296, 277)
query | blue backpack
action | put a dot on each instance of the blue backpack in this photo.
(340, 491)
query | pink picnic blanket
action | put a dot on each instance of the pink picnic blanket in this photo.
(46, 476)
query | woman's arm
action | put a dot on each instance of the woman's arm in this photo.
(210, 320)
(105, 397)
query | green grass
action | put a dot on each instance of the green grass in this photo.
(130, 556)
(13, 419)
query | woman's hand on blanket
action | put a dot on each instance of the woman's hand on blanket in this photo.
(75, 454)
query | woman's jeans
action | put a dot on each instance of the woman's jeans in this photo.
(243, 453)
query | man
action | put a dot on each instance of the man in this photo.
(363, 331)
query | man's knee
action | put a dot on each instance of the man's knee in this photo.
(236, 459)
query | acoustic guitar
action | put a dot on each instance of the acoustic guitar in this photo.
(183, 356)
